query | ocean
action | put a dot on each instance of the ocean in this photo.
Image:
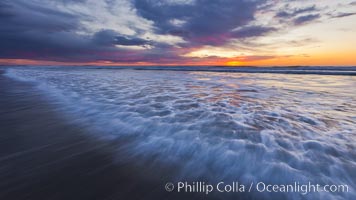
(272, 126)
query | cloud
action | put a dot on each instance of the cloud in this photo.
(294, 12)
(151, 31)
(33, 31)
(345, 14)
(254, 58)
(65, 30)
(205, 22)
(24, 16)
(252, 31)
(30, 29)
(305, 19)
(110, 37)
(293, 15)
(122, 40)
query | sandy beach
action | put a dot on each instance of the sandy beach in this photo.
(43, 156)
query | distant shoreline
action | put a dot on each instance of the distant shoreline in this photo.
(343, 71)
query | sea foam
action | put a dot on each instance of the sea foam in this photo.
(274, 128)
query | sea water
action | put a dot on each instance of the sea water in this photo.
(218, 126)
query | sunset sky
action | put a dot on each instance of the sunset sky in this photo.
(178, 32)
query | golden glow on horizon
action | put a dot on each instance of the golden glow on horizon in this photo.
(210, 51)
(233, 63)
(347, 59)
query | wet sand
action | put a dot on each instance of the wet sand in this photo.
(44, 156)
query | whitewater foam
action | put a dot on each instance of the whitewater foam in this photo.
(220, 126)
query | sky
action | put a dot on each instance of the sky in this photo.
(178, 32)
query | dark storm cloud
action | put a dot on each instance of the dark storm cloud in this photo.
(67, 46)
(32, 31)
(305, 19)
(126, 41)
(4, 13)
(24, 16)
(110, 37)
(205, 22)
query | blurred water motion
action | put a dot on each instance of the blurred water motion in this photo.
(211, 126)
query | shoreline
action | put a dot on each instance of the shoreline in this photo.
(332, 71)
